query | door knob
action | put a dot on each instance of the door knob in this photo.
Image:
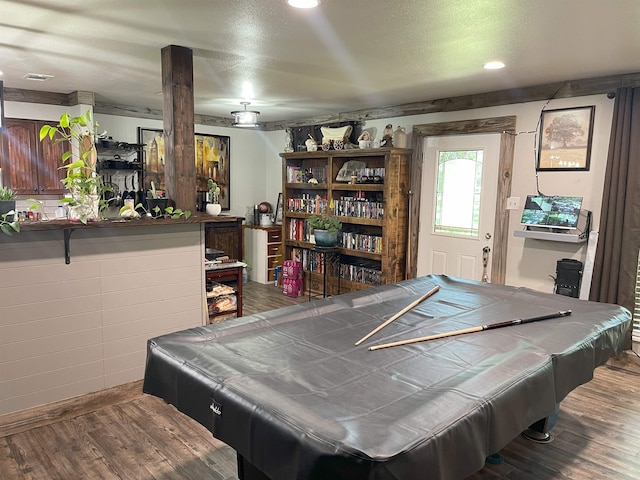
(487, 236)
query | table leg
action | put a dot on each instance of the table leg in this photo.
(247, 471)
(324, 275)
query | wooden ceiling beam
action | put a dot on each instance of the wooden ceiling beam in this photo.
(566, 89)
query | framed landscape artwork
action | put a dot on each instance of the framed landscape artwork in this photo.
(212, 160)
(565, 139)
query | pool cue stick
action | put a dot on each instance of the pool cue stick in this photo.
(401, 312)
(518, 321)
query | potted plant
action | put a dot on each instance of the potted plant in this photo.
(156, 201)
(325, 229)
(81, 179)
(213, 198)
(7, 203)
(7, 210)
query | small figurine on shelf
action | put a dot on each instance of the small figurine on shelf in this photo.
(288, 147)
(312, 145)
(387, 136)
(364, 140)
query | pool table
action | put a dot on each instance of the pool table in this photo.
(293, 395)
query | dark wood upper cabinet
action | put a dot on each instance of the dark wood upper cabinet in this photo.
(29, 166)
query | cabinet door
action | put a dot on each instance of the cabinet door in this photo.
(31, 167)
(49, 161)
(19, 149)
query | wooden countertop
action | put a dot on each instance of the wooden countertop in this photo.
(197, 217)
(263, 227)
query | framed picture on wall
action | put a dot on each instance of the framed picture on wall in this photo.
(152, 158)
(212, 160)
(565, 139)
(278, 214)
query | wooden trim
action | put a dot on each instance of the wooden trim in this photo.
(81, 98)
(565, 89)
(49, 98)
(40, 416)
(505, 126)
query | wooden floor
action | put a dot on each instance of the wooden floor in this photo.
(136, 436)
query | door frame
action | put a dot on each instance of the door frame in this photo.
(506, 127)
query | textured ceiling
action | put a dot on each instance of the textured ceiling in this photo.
(346, 55)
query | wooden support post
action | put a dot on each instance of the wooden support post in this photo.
(178, 117)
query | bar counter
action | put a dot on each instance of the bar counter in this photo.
(67, 329)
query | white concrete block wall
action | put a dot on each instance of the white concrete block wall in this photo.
(68, 330)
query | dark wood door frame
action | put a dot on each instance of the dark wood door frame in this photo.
(506, 127)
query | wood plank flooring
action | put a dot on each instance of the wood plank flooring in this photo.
(597, 435)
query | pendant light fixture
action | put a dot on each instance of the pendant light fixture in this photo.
(245, 118)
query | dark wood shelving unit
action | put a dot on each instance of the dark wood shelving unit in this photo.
(392, 227)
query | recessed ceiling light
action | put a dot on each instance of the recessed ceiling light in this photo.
(304, 3)
(495, 65)
(38, 77)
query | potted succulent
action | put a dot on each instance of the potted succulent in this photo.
(213, 198)
(7, 202)
(81, 179)
(325, 229)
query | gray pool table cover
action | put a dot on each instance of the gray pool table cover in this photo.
(289, 391)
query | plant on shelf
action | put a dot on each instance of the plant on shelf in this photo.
(213, 198)
(8, 223)
(8, 227)
(85, 186)
(6, 194)
(214, 192)
(325, 229)
(157, 207)
(7, 200)
(155, 212)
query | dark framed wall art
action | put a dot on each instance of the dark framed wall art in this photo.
(212, 160)
(565, 139)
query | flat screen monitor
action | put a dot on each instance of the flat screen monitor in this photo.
(551, 212)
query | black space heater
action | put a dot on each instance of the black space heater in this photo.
(568, 276)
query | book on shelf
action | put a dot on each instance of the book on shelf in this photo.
(307, 203)
(351, 207)
(361, 273)
(299, 230)
(296, 174)
(361, 242)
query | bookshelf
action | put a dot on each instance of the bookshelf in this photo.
(373, 211)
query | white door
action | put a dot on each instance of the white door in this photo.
(458, 202)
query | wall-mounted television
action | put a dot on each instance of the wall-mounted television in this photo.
(551, 212)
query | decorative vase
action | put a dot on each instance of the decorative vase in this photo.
(213, 208)
(324, 238)
(86, 207)
(400, 138)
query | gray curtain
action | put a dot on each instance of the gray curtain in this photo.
(616, 260)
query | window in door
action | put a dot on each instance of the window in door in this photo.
(457, 196)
